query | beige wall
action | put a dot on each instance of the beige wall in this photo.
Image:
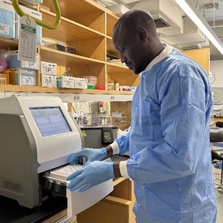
(216, 68)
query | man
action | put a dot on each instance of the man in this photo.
(170, 158)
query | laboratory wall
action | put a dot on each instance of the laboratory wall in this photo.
(216, 77)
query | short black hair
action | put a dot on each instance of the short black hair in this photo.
(137, 18)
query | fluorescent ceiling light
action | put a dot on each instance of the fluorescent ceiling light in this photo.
(201, 23)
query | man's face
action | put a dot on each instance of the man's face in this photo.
(131, 48)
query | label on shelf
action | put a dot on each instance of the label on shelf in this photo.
(4, 28)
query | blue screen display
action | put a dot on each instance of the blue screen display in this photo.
(50, 120)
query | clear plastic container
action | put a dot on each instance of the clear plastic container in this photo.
(92, 80)
(119, 121)
(100, 119)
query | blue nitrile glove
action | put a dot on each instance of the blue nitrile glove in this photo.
(89, 154)
(218, 165)
(91, 174)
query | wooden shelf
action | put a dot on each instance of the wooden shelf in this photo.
(68, 95)
(111, 20)
(66, 59)
(28, 4)
(86, 26)
(111, 51)
(68, 30)
(6, 43)
(115, 68)
(17, 88)
(122, 75)
(78, 7)
(83, 12)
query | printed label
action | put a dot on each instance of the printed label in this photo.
(27, 39)
(4, 28)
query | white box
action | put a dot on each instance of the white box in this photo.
(80, 83)
(13, 62)
(7, 19)
(48, 68)
(49, 81)
(35, 14)
(65, 82)
(25, 77)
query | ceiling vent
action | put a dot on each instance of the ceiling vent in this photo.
(161, 23)
(166, 14)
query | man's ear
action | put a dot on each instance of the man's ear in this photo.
(142, 34)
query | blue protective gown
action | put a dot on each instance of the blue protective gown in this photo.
(170, 158)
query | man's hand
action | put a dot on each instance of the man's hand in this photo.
(91, 174)
(89, 154)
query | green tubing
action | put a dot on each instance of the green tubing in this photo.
(39, 22)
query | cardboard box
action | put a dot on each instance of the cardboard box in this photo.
(49, 81)
(80, 83)
(25, 77)
(65, 82)
(13, 62)
(48, 68)
(7, 19)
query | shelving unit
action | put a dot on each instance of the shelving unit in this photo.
(111, 20)
(86, 13)
(86, 26)
(6, 43)
(111, 51)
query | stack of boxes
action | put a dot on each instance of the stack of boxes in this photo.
(19, 72)
(48, 74)
(25, 72)
(49, 78)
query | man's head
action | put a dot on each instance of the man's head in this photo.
(135, 37)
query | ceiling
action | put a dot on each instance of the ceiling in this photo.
(176, 28)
